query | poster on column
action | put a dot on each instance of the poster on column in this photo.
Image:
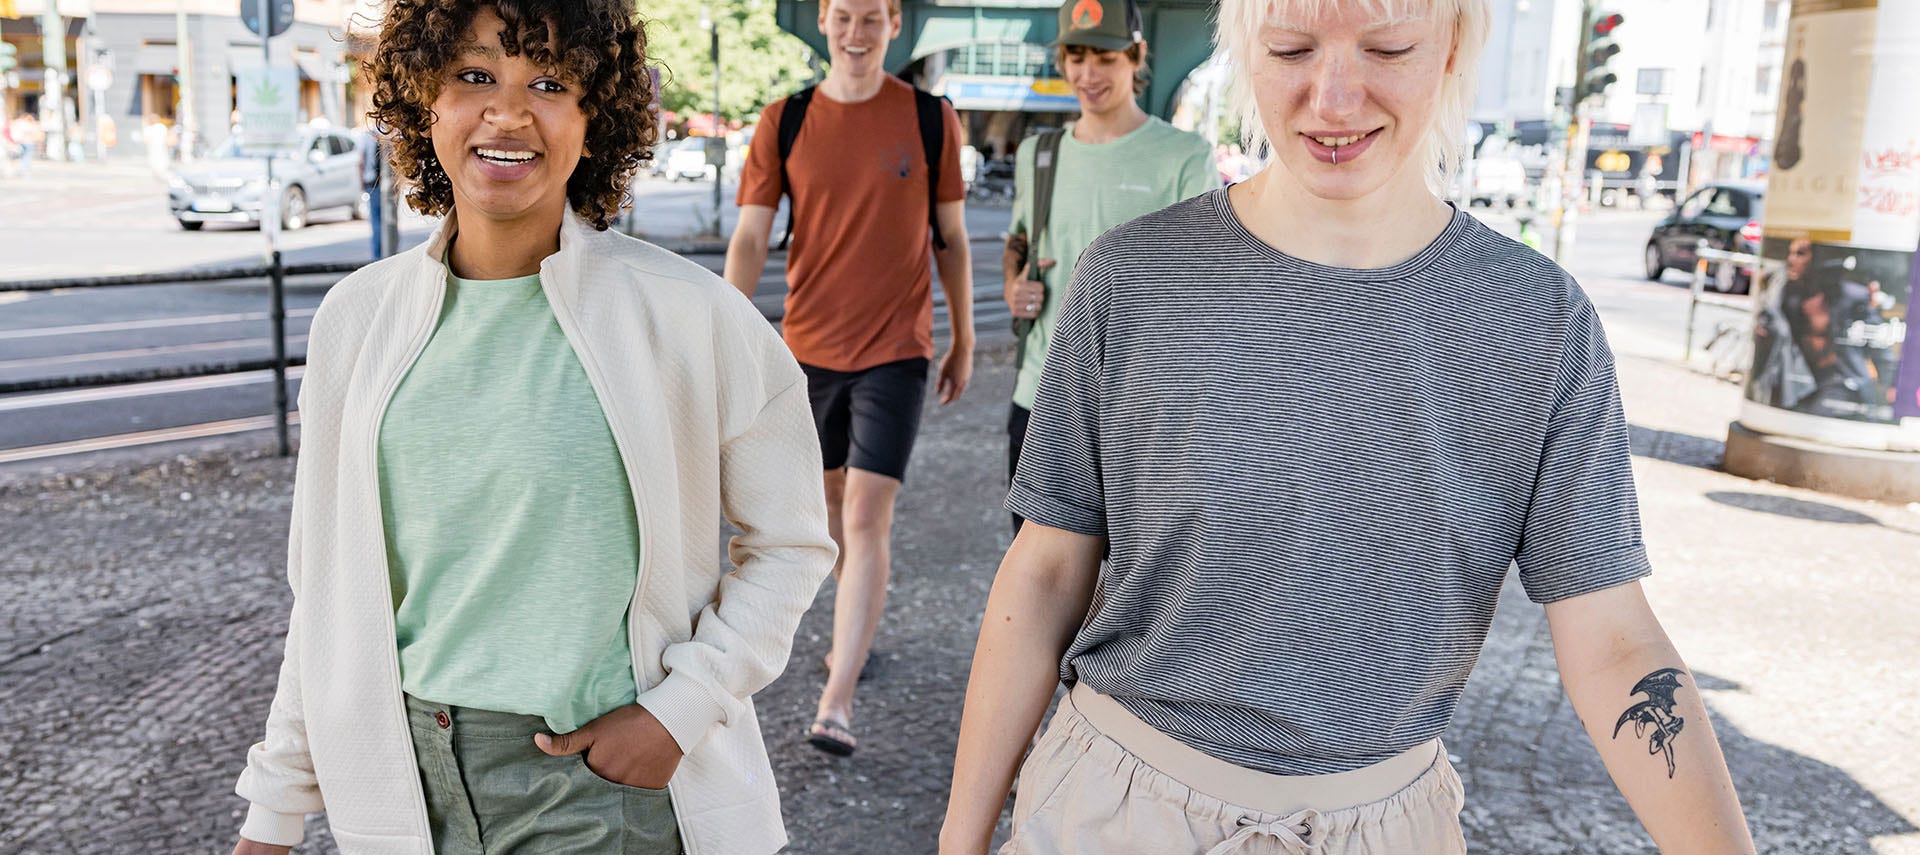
(1906, 402)
(1842, 215)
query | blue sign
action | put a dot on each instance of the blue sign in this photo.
(1007, 95)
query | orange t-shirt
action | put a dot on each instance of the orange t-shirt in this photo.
(859, 270)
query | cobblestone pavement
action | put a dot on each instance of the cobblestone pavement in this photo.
(145, 600)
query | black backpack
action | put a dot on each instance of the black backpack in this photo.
(933, 138)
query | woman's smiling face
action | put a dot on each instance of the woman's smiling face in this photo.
(508, 132)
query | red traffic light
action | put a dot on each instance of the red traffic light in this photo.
(1605, 25)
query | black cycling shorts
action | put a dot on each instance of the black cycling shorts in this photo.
(868, 419)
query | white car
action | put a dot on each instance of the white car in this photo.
(322, 171)
(1496, 180)
(688, 161)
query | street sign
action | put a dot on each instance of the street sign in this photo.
(1649, 126)
(269, 102)
(278, 14)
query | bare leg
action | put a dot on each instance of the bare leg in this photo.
(864, 530)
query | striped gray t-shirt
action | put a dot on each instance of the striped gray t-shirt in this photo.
(1313, 479)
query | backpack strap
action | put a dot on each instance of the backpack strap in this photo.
(791, 117)
(933, 140)
(1046, 154)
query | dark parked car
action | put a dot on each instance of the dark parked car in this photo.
(1726, 214)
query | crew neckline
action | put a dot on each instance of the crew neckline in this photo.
(1116, 141)
(529, 279)
(1419, 261)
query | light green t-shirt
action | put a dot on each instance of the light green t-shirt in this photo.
(513, 548)
(1097, 187)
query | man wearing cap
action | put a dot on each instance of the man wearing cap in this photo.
(1113, 164)
(859, 307)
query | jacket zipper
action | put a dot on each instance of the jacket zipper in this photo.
(417, 346)
(568, 325)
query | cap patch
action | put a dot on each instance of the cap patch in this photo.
(1087, 14)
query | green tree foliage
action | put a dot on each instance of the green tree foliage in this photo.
(759, 62)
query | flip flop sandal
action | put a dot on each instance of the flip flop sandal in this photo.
(820, 736)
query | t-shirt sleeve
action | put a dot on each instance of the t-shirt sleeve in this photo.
(760, 176)
(1022, 186)
(1059, 482)
(953, 185)
(1200, 173)
(1582, 530)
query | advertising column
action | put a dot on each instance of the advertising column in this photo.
(1830, 401)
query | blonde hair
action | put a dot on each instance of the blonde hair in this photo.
(1237, 30)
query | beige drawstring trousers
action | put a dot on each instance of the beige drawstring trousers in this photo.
(1103, 782)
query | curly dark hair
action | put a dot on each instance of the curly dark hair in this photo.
(599, 44)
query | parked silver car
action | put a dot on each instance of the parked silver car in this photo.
(322, 172)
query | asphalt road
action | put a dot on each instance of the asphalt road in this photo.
(134, 331)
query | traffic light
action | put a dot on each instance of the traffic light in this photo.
(7, 60)
(1600, 48)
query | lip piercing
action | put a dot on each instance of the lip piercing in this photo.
(1336, 157)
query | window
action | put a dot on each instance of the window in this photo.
(1722, 204)
(1742, 203)
(1696, 203)
(340, 144)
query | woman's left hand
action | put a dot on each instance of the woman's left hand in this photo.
(627, 746)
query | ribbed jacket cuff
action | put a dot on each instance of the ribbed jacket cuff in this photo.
(685, 708)
(272, 827)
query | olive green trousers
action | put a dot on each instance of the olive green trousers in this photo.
(491, 791)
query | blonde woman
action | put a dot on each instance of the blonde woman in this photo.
(1311, 420)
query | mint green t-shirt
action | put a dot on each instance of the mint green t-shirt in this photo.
(513, 548)
(1097, 187)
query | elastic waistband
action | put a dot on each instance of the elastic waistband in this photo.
(472, 722)
(1249, 788)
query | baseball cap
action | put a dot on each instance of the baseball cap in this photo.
(1102, 24)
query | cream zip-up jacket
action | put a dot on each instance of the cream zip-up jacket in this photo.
(711, 417)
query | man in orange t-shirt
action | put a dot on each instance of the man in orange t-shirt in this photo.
(859, 308)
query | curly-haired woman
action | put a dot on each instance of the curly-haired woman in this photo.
(509, 633)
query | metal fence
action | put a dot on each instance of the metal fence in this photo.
(274, 271)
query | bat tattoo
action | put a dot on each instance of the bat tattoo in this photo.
(1655, 713)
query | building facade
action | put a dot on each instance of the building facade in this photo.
(1698, 80)
(171, 63)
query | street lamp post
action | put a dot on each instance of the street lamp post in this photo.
(716, 147)
(53, 55)
(183, 120)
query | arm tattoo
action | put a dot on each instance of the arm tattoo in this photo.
(1655, 713)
